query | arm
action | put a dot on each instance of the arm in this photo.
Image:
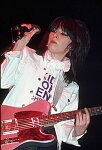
(9, 67)
(70, 131)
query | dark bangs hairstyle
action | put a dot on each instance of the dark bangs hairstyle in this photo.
(80, 45)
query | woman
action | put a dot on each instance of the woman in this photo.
(50, 74)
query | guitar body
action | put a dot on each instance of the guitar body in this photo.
(9, 111)
(18, 126)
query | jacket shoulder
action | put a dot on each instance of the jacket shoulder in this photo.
(73, 84)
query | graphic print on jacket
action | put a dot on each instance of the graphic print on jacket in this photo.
(45, 88)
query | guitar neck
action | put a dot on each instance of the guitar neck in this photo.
(95, 110)
(55, 118)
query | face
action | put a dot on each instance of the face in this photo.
(58, 42)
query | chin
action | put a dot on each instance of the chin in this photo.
(52, 48)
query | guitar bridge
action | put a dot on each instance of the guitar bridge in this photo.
(9, 126)
(10, 132)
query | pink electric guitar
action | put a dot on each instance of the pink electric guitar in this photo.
(24, 124)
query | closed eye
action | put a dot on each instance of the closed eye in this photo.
(64, 33)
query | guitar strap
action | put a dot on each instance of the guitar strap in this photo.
(58, 90)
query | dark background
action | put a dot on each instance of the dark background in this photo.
(90, 79)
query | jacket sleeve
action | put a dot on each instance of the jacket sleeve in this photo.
(12, 64)
(9, 68)
(67, 102)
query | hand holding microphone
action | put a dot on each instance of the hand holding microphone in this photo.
(24, 34)
(29, 27)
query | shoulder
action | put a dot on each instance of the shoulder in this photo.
(29, 50)
(32, 53)
(73, 86)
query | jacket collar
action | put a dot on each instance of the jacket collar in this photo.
(59, 65)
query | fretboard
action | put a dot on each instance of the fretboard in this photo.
(55, 118)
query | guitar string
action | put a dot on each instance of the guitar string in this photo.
(43, 120)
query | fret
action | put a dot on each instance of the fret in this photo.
(95, 110)
(55, 118)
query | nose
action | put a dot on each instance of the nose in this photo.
(55, 35)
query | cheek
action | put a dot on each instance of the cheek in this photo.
(66, 43)
(63, 44)
(50, 36)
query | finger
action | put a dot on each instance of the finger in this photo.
(78, 118)
(34, 31)
(32, 26)
(87, 115)
(29, 26)
(84, 119)
(28, 35)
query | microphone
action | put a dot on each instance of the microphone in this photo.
(25, 29)
(18, 31)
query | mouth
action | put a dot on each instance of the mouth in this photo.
(53, 42)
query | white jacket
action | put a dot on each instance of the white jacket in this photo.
(26, 74)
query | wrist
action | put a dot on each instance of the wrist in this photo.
(75, 134)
